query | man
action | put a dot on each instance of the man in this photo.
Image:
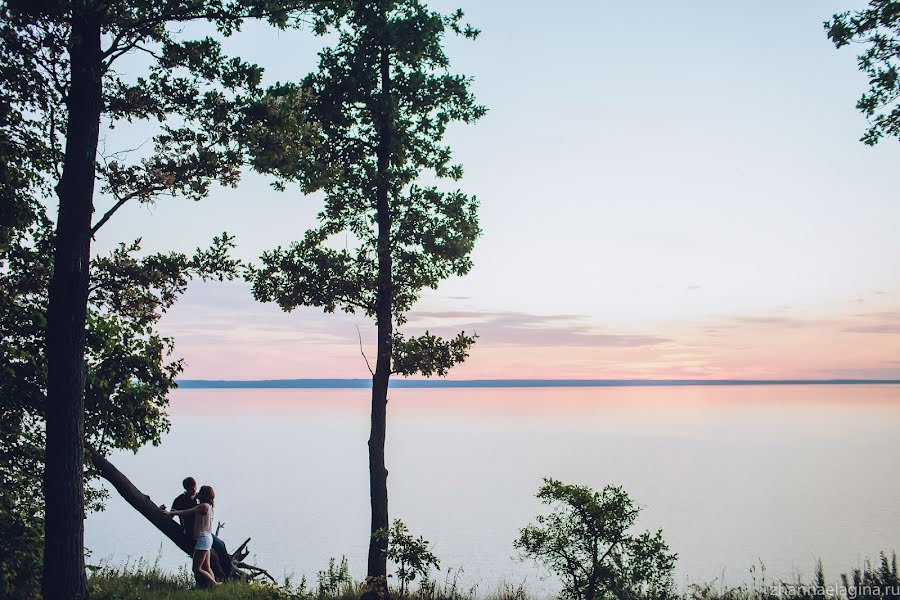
(188, 499)
(185, 500)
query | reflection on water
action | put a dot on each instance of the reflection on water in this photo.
(732, 475)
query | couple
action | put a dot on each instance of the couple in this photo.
(195, 511)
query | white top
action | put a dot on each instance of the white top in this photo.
(203, 523)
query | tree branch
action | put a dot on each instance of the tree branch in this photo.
(368, 366)
(111, 212)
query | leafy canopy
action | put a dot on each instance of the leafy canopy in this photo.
(206, 107)
(877, 28)
(586, 541)
(432, 230)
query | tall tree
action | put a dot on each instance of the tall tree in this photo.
(384, 97)
(72, 47)
(877, 27)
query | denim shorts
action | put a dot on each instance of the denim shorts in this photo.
(204, 542)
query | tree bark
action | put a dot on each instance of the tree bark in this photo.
(64, 573)
(378, 544)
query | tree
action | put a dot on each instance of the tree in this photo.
(129, 371)
(878, 28)
(586, 541)
(68, 49)
(383, 99)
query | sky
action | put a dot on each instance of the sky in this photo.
(667, 190)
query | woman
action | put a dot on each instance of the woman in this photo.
(203, 519)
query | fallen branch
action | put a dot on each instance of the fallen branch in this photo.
(241, 553)
(255, 571)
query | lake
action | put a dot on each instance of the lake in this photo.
(733, 475)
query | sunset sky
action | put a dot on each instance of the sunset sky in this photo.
(668, 190)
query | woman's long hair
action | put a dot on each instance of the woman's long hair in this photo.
(207, 495)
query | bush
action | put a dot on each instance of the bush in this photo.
(412, 555)
(586, 541)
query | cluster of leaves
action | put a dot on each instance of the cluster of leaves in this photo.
(411, 554)
(432, 232)
(208, 109)
(878, 28)
(26, 155)
(586, 541)
(429, 354)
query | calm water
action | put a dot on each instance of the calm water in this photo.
(733, 475)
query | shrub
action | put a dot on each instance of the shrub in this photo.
(586, 541)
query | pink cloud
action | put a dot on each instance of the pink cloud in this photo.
(224, 334)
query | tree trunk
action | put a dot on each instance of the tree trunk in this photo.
(64, 573)
(142, 503)
(378, 544)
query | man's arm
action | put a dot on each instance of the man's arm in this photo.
(181, 501)
(200, 508)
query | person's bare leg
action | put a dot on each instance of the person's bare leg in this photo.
(203, 573)
(208, 567)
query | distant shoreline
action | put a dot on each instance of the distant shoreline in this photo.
(508, 383)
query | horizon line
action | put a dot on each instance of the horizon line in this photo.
(361, 383)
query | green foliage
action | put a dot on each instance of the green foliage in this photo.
(129, 369)
(428, 354)
(210, 93)
(335, 266)
(412, 555)
(877, 27)
(26, 157)
(206, 109)
(586, 541)
(21, 532)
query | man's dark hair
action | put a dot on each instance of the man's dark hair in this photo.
(188, 483)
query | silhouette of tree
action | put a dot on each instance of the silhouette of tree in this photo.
(384, 97)
(207, 108)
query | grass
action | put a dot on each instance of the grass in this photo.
(146, 581)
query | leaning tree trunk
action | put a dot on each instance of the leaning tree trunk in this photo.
(378, 544)
(64, 573)
(168, 526)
